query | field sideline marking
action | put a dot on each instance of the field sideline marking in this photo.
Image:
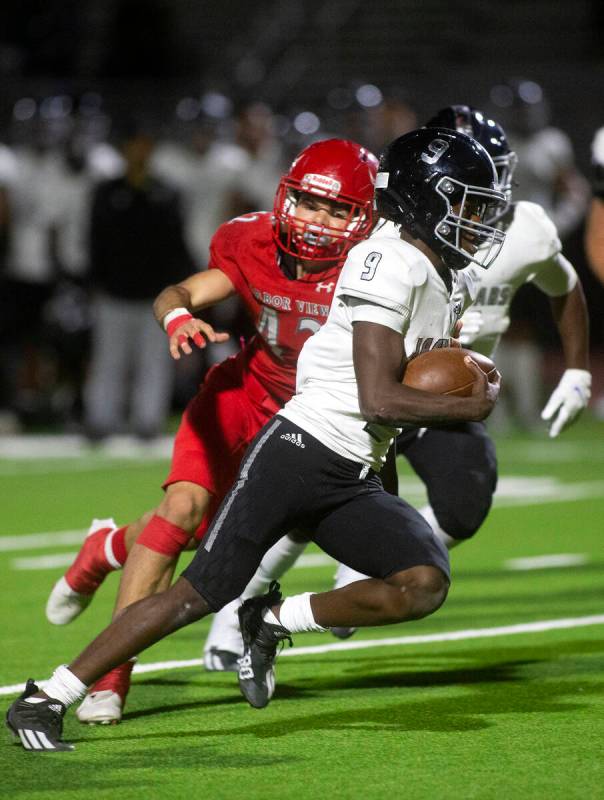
(363, 644)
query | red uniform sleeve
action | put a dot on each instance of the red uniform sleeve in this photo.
(224, 250)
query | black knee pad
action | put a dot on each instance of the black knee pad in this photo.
(461, 509)
(459, 468)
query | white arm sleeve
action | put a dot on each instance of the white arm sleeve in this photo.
(556, 276)
(362, 311)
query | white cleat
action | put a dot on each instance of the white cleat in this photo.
(100, 708)
(99, 524)
(64, 605)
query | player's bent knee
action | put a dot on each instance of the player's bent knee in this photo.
(429, 598)
(185, 504)
(422, 591)
(462, 514)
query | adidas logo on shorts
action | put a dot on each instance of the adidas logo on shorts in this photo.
(294, 438)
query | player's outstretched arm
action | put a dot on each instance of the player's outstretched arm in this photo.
(573, 391)
(379, 360)
(173, 307)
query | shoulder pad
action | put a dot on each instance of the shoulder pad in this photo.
(541, 228)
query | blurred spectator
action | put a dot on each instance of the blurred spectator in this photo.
(28, 275)
(546, 172)
(66, 315)
(136, 247)
(262, 160)
(372, 116)
(8, 171)
(594, 235)
(393, 117)
(7, 176)
(204, 169)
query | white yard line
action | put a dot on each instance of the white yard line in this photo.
(66, 559)
(43, 562)
(546, 562)
(30, 469)
(34, 448)
(39, 541)
(540, 626)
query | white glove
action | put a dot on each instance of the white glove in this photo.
(568, 399)
(472, 322)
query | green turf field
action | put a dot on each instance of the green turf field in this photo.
(485, 712)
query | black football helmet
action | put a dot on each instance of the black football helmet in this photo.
(491, 136)
(440, 185)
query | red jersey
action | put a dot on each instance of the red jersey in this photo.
(285, 311)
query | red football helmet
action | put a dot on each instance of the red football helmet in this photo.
(337, 170)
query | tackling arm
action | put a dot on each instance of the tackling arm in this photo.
(379, 359)
(173, 307)
(570, 315)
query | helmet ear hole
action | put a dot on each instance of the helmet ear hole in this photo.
(392, 205)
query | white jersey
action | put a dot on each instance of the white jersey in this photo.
(530, 253)
(389, 282)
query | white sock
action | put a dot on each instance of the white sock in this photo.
(64, 686)
(296, 614)
(345, 575)
(224, 633)
(281, 556)
(448, 541)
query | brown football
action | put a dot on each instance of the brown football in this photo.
(443, 371)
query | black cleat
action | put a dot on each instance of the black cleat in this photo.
(260, 640)
(341, 632)
(38, 726)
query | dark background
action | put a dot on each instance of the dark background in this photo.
(142, 57)
(291, 53)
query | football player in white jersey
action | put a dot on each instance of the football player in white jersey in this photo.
(531, 253)
(314, 466)
(457, 509)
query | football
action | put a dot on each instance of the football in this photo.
(443, 371)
